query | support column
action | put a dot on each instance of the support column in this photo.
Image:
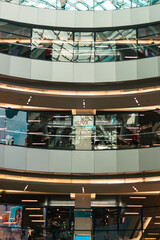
(82, 217)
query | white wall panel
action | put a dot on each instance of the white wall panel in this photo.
(5, 64)
(121, 18)
(60, 161)
(140, 15)
(147, 68)
(41, 70)
(2, 156)
(105, 72)
(127, 71)
(79, 72)
(65, 18)
(19, 68)
(46, 17)
(105, 161)
(15, 157)
(86, 19)
(154, 13)
(62, 72)
(100, 18)
(10, 11)
(128, 160)
(82, 162)
(149, 159)
(28, 15)
(37, 160)
(84, 72)
(158, 66)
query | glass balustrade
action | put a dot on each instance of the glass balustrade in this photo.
(62, 130)
(73, 46)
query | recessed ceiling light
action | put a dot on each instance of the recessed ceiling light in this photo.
(131, 213)
(32, 209)
(138, 197)
(35, 215)
(29, 200)
(134, 205)
(156, 234)
(38, 221)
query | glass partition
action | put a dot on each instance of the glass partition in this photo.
(79, 46)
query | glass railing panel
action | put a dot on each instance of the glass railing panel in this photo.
(20, 50)
(83, 132)
(15, 29)
(84, 47)
(2, 126)
(16, 127)
(61, 130)
(69, 46)
(105, 137)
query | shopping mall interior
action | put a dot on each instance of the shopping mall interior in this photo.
(79, 119)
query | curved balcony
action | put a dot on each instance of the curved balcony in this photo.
(85, 5)
(52, 44)
(60, 142)
(79, 19)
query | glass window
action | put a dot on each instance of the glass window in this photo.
(52, 45)
(59, 219)
(50, 130)
(150, 128)
(106, 219)
(148, 30)
(84, 47)
(115, 45)
(15, 29)
(16, 127)
(83, 131)
(148, 41)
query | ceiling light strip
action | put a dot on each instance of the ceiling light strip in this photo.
(80, 181)
(78, 93)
